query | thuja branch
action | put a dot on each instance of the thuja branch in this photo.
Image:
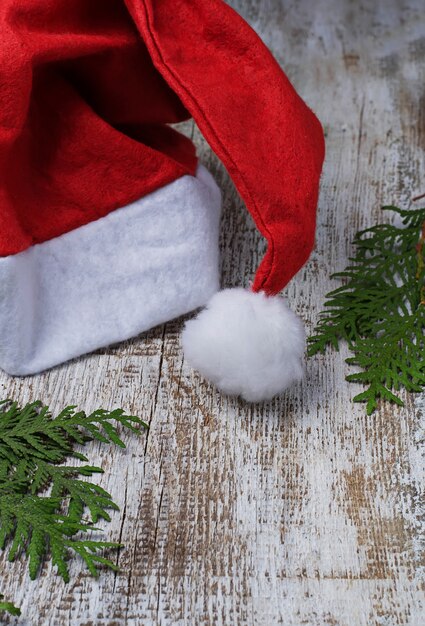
(380, 310)
(9, 607)
(47, 510)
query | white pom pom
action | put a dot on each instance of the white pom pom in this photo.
(246, 343)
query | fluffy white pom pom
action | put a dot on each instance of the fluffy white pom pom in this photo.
(246, 343)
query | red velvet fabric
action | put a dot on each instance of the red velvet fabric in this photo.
(86, 93)
(82, 118)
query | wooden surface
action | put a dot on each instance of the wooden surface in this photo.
(302, 511)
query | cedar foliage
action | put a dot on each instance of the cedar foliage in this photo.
(47, 509)
(9, 607)
(380, 310)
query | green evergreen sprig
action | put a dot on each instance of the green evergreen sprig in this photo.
(380, 310)
(46, 509)
(9, 607)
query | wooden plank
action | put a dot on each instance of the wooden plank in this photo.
(303, 510)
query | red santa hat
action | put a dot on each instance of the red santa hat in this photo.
(108, 223)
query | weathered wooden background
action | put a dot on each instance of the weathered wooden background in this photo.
(302, 511)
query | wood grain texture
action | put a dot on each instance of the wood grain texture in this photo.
(302, 511)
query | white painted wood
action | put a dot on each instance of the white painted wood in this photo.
(303, 511)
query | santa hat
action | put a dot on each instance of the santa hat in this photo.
(108, 224)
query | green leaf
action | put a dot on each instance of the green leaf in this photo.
(379, 310)
(9, 607)
(47, 510)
